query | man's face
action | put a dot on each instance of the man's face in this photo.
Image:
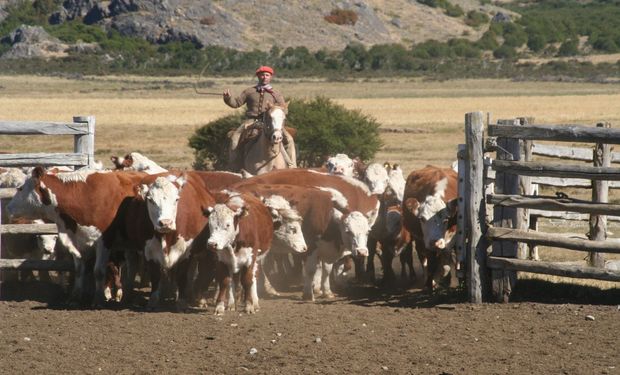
(264, 78)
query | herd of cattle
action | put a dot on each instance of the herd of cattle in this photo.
(193, 227)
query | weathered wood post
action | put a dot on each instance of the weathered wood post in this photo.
(600, 193)
(503, 280)
(525, 187)
(85, 143)
(474, 195)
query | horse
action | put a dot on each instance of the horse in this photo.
(267, 152)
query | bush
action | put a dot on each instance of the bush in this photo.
(323, 128)
(210, 142)
(342, 17)
(505, 52)
(475, 18)
(569, 48)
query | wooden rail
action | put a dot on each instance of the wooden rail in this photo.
(516, 208)
(83, 131)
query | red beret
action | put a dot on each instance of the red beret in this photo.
(265, 69)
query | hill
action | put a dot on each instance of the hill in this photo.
(245, 26)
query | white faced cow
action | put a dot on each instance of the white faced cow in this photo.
(241, 231)
(83, 204)
(429, 213)
(353, 210)
(137, 162)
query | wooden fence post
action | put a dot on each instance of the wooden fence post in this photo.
(600, 193)
(503, 280)
(85, 143)
(474, 194)
(525, 187)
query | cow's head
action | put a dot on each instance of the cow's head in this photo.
(396, 182)
(436, 219)
(354, 228)
(274, 126)
(224, 223)
(121, 162)
(162, 200)
(341, 165)
(33, 199)
(286, 223)
(376, 177)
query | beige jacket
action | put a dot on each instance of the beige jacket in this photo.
(251, 98)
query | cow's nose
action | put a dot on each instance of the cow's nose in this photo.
(362, 251)
(440, 244)
(165, 223)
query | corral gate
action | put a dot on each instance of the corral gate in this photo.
(498, 203)
(83, 131)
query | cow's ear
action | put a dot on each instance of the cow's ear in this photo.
(241, 212)
(38, 172)
(46, 197)
(412, 205)
(276, 218)
(453, 206)
(207, 211)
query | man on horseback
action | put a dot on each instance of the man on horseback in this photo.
(257, 99)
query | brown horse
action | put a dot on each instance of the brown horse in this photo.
(268, 152)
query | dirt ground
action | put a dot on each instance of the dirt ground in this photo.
(364, 330)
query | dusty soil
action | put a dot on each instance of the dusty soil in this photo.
(364, 330)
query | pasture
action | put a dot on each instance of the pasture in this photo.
(363, 330)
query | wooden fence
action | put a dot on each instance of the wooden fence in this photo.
(83, 131)
(499, 205)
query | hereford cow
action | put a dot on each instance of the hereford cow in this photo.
(241, 231)
(166, 222)
(137, 162)
(429, 213)
(83, 204)
(353, 209)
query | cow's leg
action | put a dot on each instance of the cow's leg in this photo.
(78, 279)
(386, 257)
(370, 262)
(222, 274)
(326, 270)
(181, 272)
(263, 278)
(131, 269)
(311, 268)
(248, 281)
(154, 270)
(406, 261)
(101, 264)
(206, 264)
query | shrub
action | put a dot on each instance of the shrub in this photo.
(210, 142)
(505, 52)
(342, 17)
(569, 48)
(323, 128)
(475, 18)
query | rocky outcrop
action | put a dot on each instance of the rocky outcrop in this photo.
(33, 42)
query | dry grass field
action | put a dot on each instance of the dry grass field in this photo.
(155, 115)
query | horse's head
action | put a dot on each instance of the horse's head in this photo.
(274, 123)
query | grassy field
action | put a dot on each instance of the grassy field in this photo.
(156, 116)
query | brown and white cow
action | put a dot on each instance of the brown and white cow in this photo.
(429, 213)
(353, 208)
(166, 222)
(241, 231)
(137, 162)
(83, 204)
